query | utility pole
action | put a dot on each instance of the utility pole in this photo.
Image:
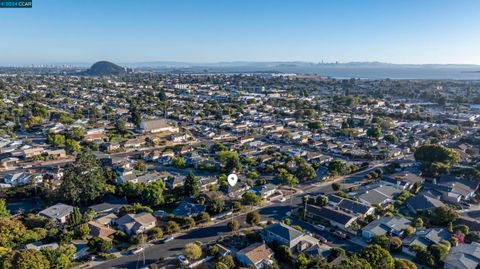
(305, 208)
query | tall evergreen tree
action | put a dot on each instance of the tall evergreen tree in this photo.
(191, 185)
(84, 180)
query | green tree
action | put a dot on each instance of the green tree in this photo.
(203, 217)
(192, 251)
(153, 193)
(301, 262)
(377, 257)
(314, 126)
(216, 204)
(178, 162)
(61, 257)
(72, 145)
(250, 198)
(190, 186)
(228, 261)
(404, 264)
(374, 131)
(381, 240)
(140, 166)
(253, 218)
(233, 225)
(82, 231)
(84, 180)
(220, 265)
(283, 253)
(391, 138)
(55, 139)
(25, 259)
(4, 213)
(12, 232)
(99, 245)
(337, 167)
(418, 223)
(172, 227)
(445, 214)
(353, 262)
(213, 250)
(229, 160)
(395, 243)
(120, 126)
(321, 200)
(76, 216)
(155, 233)
(336, 186)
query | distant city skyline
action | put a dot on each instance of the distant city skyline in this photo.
(399, 32)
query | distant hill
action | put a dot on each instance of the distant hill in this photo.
(105, 68)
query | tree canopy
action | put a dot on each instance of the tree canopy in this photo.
(84, 180)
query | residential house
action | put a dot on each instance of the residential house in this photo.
(9, 162)
(337, 218)
(187, 209)
(463, 256)
(32, 152)
(56, 154)
(423, 202)
(392, 225)
(424, 238)
(320, 250)
(403, 180)
(59, 213)
(206, 182)
(264, 191)
(238, 190)
(174, 181)
(157, 126)
(453, 189)
(107, 220)
(18, 179)
(377, 194)
(136, 223)
(256, 256)
(110, 205)
(350, 206)
(148, 177)
(100, 230)
(285, 235)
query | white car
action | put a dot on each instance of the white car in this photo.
(282, 200)
(137, 250)
(320, 227)
(168, 239)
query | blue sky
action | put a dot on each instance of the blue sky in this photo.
(395, 31)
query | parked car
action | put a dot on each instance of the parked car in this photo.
(320, 238)
(320, 227)
(282, 200)
(168, 239)
(340, 234)
(137, 250)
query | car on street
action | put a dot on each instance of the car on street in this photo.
(320, 227)
(168, 239)
(340, 234)
(137, 250)
(282, 200)
(320, 238)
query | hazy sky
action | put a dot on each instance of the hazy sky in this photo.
(395, 31)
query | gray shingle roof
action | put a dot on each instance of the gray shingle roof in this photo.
(284, 231)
